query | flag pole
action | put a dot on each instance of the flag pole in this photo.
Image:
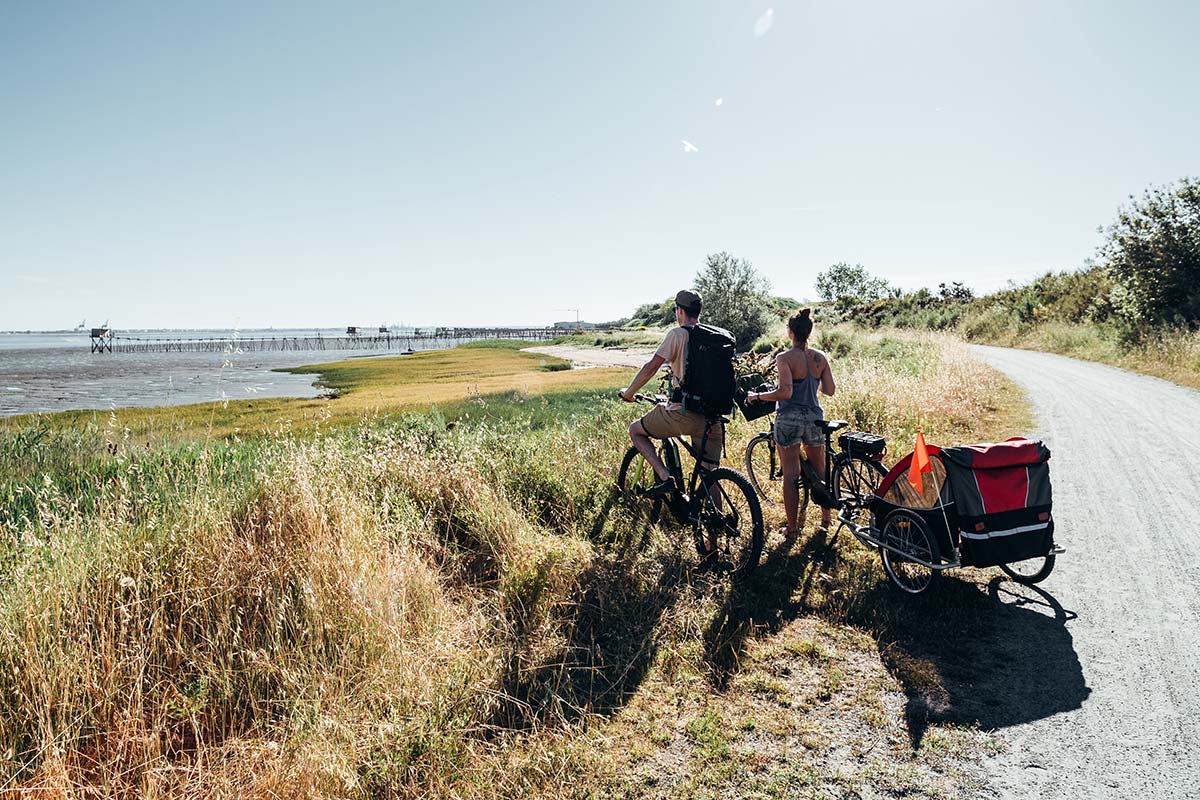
(941, 504)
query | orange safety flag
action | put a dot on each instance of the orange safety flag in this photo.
(920, 463)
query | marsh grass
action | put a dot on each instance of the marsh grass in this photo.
(358, 389)
(441, 604)
(619, 338)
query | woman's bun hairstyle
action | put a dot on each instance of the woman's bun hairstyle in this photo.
(801, 324)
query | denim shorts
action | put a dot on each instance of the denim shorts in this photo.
(797, 425)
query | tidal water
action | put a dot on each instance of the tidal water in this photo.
(46, 372)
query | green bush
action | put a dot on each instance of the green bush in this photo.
(834, 342)
(735, 297)
(1153, 255)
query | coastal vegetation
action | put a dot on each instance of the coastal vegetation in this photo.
(1136, 307)
(357, 388)
(736, 297)
(450, 602)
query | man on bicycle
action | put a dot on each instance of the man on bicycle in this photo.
(670, 419)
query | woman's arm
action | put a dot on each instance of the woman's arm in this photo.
(827, 385)
(785, 385)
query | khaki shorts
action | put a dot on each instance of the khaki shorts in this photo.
(663, 423)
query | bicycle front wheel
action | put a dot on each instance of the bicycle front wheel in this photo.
(635, 476)
(730, 520)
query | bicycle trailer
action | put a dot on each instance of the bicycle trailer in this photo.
(1002, 493)
(979, 505)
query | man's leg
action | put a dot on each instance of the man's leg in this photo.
(710, 460)
(645, 445)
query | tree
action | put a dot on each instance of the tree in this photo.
(654, 315)
(847, 285)
(955, 291)
(1153, 255)
(735, 297)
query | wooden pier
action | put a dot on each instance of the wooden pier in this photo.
(355, 339)
(102, 339)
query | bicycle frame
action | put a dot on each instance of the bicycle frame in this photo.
(673, 463)
(808, 473)
(670, 448)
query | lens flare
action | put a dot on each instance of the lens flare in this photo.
(764, 23)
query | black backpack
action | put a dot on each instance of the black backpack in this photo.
(708, 383)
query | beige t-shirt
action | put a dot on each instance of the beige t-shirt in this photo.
(673, 350)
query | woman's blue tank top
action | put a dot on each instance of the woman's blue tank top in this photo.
(804, 392)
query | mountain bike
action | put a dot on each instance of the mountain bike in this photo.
(719, 504)
(852, 472)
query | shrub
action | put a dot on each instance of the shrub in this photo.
(848, 285)
(1153, 254)
(735, 297)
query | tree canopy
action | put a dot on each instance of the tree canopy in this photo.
(848, 286)
(736, 297)
(1152, 253)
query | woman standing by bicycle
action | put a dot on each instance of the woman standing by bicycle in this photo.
(802, 370)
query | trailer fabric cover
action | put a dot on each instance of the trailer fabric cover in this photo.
(1003, 499)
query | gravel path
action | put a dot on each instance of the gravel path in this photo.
(596, 356)
(1114, 707)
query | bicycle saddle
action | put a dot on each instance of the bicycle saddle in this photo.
(832, 425)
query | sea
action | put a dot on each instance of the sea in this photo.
(47, 372)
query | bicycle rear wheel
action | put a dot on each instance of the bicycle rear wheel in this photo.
(857, 479)
(1031, 570)
(854, 483)
(636, 475)
(731, 519)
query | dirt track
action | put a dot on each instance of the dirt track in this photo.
(1114, 706)
(596, 356)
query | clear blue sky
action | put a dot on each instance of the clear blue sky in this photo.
(222, 163)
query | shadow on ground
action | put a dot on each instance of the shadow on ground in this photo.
(611, 631)
(977, 649)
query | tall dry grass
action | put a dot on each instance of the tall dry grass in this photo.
(405, 608)
(1172, 354)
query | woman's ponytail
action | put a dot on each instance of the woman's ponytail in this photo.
(801, 325)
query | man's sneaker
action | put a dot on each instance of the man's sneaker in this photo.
(681, 507)
(664, 488)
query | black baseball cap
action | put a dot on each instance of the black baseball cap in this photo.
(688, 301)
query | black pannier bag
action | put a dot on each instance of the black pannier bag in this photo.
(753, 382)
(1002, 497)
(859, 444)
(708, 383)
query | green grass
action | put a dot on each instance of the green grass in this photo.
(625, 338)
(382, 602)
